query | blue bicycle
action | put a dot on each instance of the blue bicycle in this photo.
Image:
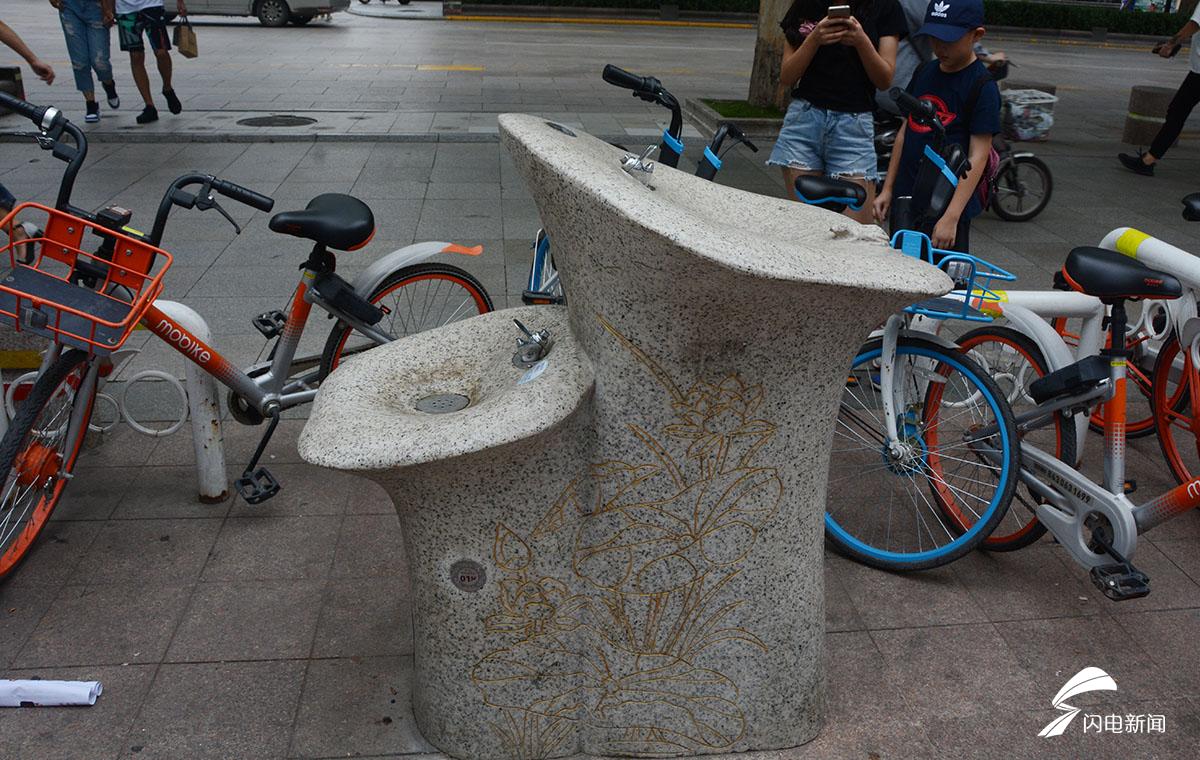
(924, 461)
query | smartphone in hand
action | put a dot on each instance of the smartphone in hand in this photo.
(838, 11)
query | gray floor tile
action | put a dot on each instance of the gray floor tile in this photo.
(248, 621)
(958, 670)
(357, 706)
(166, 493)
(271, 548)
(360, 619)
(105, 625)
(1042, 588)
(932, 597)
(217, 710)
(370, 546)
(160, 552)
(21, 609)
(56, 554)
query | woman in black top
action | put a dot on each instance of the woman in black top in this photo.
(834, 66)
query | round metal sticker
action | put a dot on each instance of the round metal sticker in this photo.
(467, 575)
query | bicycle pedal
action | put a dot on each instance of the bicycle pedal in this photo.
(1120, 582)
(1130, 486)
(270, 323)
(258, 486)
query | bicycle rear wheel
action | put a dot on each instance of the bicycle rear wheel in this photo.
(888, 506)
(36, 458)
(1023, 188)
(1014, 361)
(414, 299)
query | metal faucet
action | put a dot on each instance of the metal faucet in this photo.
(639, 167)
(532, 348)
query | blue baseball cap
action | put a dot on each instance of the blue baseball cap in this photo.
(949, 20)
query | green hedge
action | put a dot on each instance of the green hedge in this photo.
(1017, 13)
(1080, 18)
(708, 6)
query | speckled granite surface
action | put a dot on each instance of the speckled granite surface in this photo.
(651, 544)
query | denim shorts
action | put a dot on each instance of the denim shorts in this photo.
(835, 143)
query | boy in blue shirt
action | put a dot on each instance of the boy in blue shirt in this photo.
(968, 108)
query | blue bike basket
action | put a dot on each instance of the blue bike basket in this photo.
(973, 278)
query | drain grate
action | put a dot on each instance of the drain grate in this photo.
(277, 120)
(443, 403)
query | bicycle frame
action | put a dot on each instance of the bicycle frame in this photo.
(274, 385)
(1070, 498)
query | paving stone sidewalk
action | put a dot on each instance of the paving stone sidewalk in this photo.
(230, 631)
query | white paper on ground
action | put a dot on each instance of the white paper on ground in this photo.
(48, 693)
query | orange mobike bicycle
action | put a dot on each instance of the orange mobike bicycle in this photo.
(88, 303)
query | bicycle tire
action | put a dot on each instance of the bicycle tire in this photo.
(854, 467)
(1010, 182)
(474, 302)
(1020, 527)
(1174, 415)
(22, 520)
(1137, 379)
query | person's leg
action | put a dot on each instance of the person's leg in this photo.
(99, 51)
(163, 59)
(1178, 111)
(75, 30)
(797, 149)
(850, 155)
(160, 43)
(137, 63)
(129, 35)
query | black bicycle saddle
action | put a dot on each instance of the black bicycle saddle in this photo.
(338, 221)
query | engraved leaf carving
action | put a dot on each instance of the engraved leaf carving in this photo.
(510, 551)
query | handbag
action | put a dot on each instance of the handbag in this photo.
(185, 38)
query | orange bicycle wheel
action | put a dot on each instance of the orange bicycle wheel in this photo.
(414, 299)
(1176, 381)
(1013, 361)
(36, 458)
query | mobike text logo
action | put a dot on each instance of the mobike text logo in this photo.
(940, 10)
(1095, 679)
(1193, 489)
(185, 342)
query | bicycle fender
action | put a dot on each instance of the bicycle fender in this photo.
(1022, 154)
(417, 253)
(945, 343)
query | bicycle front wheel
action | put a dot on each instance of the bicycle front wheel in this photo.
(414, 299)
(1023, 187)
(37, 456)
(889, 505)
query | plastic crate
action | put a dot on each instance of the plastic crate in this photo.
(46, 291)
(1027, 115)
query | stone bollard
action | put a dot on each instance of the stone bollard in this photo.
(619, 550)
(1147, 113)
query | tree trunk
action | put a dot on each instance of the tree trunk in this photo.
(765, 89)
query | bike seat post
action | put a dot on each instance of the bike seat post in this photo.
(1114, 407)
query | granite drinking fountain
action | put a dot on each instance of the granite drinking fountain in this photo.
(616, 547)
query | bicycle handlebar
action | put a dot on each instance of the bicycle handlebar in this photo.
(36, 114)
(651, 90)
(243, 194)
(920, 110)
(711, 162)
(174, 197)
(621, 78)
